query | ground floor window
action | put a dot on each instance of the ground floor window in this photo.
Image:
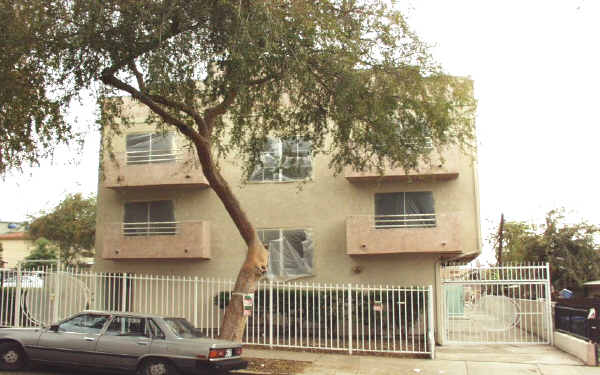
(290, 252)
(404, 210)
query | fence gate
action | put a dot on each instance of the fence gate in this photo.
(507, 304)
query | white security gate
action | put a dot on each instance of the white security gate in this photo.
(507, 304)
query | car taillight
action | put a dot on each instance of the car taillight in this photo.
(216, 353)
(237, 352)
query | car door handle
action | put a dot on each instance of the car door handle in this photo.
(89, 338)
(142, 342)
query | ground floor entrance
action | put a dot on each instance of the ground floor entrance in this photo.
(507, 304)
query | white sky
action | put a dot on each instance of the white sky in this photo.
(535, 64)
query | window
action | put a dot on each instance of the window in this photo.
(149, 219)
(85, 323)
(284, 160)
(128, 326)
(404, 210)
(290, 252)
(144, 148)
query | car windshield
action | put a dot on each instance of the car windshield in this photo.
(182, 328)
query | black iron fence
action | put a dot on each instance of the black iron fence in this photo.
(577, 321)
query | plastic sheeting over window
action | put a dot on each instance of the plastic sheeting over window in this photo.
(144, 148)
(404, 209)
(284, 160)
(290, 252)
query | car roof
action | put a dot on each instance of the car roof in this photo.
(139, 315)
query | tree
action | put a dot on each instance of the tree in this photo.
(348, 76)
(44, 250)
(570, 249)
(71, 225)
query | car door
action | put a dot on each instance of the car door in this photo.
(73, 341)
(125, 340)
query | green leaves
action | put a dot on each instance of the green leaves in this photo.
(71, 225)
(571, 249)
(348, 76)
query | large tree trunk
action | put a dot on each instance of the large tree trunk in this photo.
(255, 264)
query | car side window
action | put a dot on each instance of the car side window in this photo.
(127, 326)
(85, 323)
(153, 330)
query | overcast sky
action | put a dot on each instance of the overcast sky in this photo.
(535, 64)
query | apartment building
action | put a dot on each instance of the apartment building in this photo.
(158, 215)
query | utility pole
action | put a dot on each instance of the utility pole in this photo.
(500, 238)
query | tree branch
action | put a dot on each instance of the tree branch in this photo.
(138, 76)
(219, 109)
(109, 79)
(183, 108)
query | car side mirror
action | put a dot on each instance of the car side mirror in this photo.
(54, 328)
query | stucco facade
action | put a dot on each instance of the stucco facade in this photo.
(337, 210)
(15, 247)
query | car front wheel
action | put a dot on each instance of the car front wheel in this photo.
(12, 356)
(158, 367)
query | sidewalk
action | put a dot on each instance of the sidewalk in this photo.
(505, 360)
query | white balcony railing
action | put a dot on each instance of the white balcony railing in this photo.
(154, 156)
(163, 228)
(405, 221)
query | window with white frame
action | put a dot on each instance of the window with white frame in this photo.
(290, 252)
(145, 148)
(413, 209)
(284, 160)
(155, 218)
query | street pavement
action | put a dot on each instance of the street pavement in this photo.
(455, 360)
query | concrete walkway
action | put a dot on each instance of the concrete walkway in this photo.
(465, 360)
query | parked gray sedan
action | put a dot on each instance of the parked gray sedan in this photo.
(149, 344)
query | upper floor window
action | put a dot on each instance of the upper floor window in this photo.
(144, 148)
(284, 160)
(404, 210)
(149, 219)
(290, 252)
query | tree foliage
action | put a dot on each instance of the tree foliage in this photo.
(570, 249)
(343, 74)
(348, 76)
(71, 225)
(44, 250)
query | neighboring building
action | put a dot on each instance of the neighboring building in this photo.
(15, 247)
(157, 214)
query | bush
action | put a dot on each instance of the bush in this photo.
(320, 305)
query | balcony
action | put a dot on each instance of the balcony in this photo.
(148, 241)
(433, 170)
(421, 233)
(143, 169)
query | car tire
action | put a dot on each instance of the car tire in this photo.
(157, 366)
(12, 356)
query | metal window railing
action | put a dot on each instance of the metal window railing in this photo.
(154, 156)
(156, 228)
(405, 221)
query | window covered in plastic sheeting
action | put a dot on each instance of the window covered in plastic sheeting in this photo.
(284, 160)
(144, 148)
(404, 210)
(290, 252)
(149, 219)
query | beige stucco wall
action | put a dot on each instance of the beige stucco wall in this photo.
(322, 204)
(15, 250)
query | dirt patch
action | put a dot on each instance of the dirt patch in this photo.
(275, 366)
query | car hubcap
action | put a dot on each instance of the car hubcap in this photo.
(158, 369)
(11, 357)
